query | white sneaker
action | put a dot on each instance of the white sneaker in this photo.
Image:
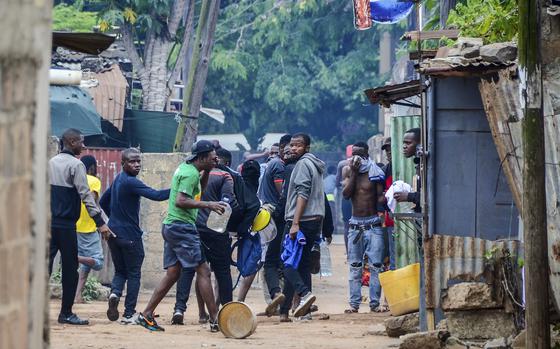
(130, 320)
(304, 304)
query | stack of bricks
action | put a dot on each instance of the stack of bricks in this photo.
(24, 51)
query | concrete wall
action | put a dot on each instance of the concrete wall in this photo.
(25, 46)
(157, 171)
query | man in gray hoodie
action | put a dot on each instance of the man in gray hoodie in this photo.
(305, 210)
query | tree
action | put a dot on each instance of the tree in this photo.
(492, 20)
(293, 66)
(71, 18)
(151, 30)
(196, 79)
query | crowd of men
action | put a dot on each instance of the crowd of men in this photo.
(293, 188)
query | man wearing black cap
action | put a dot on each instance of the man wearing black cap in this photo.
(182, 252)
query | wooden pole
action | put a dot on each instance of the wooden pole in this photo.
(534, 194)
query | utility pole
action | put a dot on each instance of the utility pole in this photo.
(534, 192)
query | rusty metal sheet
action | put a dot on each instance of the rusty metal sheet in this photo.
(452, 259)
(108, 164)
(109, 96)
(500, 95)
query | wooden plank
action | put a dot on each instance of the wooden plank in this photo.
(425, 35)
(413, 56)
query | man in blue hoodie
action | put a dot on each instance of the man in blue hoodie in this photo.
(121, 202)
(305, 210)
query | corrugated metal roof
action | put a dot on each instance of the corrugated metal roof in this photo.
(269, 139)
(109, 95)
(452, 259)
(389, 94)
(500, 95)
(403, 169)
(460, 66)
(231, 142)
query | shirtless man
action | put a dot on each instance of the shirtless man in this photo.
(363, 185)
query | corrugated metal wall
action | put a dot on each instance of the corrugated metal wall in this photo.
(108, 167)
(453, 259)
(501, 101)
(108, 164)
(403, 169)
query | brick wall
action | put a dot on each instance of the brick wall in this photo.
(24, 60)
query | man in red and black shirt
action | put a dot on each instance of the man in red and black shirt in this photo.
(389, 223)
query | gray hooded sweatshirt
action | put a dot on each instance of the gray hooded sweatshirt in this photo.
(307, 181)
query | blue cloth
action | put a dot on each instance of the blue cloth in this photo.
(121, 202)
(293, 250)
(390, 11)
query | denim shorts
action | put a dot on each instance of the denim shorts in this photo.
(182, 244)
(89, 245)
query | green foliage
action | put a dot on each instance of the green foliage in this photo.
(91, 288)
(492, 20)
(294, 66)
(70, 18)
(144, 15)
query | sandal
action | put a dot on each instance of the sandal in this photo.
(351, 311)
(379, 309)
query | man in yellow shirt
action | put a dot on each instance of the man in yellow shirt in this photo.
(90, 251)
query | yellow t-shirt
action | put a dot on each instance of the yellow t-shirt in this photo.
(85, 224)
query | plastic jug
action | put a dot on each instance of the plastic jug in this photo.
(326, 265)
(218, 222)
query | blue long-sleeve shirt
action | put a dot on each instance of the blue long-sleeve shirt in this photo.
(121, 202)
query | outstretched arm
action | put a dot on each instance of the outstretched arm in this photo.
(138, 187)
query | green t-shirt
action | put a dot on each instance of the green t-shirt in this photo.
(186, 180)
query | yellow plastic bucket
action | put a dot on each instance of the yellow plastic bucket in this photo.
(237, 320)
(402, 289)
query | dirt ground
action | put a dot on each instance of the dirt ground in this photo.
(340, 331)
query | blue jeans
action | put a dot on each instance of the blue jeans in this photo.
(367, 242)
(392, 248)
(127, 256)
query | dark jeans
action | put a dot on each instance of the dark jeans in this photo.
(65, 241)
(217, 251)
(272, 262)
(128, 256)
(184, 288)
(300, 280)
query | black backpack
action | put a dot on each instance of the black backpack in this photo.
(238, 210)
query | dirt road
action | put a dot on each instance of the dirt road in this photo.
(340, 331)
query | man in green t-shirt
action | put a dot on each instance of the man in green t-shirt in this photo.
(182, 249)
